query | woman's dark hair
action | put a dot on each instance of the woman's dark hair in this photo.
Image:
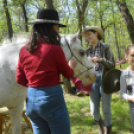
(99, 37)
(43, 31)
(128, 48)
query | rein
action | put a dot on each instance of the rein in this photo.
(72, 55)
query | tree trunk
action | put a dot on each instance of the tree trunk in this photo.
(127, 17)
(66, 85)
(81, 12)
(116, 43)
(115, 35)
(101, 14)
(121, 37)
(8, 18)
(49, 4)
(121, 28)
(25, 17)
(101, 21)
(108, 34)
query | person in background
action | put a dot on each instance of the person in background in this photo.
(127, 81)
(103, 59)
(40, 64)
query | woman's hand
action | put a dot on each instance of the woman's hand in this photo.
(72, 63)
(131, 98)
(96, 59)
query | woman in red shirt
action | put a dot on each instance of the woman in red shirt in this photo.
(40, 64)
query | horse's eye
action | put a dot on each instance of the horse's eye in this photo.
(82, 52)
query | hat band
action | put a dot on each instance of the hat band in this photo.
(50, 21)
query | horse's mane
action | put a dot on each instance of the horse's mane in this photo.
(18, 39)
(22, 38)
(63, 35)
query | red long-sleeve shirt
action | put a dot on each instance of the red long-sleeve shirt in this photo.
(78, 84)
(42, 67)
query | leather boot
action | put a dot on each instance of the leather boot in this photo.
(108, 129)
(101, 126)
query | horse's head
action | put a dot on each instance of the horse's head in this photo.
(73, 50)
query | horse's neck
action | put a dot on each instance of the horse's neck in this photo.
(66, 52)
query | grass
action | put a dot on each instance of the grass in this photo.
(83, 123)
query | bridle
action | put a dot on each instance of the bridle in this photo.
(72, 55)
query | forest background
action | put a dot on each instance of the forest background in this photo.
(115, 17)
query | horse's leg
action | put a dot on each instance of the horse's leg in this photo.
(16, 116)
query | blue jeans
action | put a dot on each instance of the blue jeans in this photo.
(47, 110)
(95, 96)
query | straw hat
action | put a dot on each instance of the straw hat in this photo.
(111, 81)
(47, 16)
(95, 28)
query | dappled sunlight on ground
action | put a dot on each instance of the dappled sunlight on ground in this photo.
(82, 121)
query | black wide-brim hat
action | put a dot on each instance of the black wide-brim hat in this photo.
(47, 16)
(111, 81)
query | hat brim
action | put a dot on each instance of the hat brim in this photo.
(33, 23)
(95, 28)
(111, 81)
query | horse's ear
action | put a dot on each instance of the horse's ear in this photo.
(77, 35)
(73, 38)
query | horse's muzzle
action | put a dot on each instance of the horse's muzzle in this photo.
(92, 79)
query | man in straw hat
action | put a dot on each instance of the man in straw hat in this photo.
(39, 69)
(103, 61)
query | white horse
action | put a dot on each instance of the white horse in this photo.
(12, 95)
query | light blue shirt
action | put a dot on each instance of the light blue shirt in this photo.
(127, 83)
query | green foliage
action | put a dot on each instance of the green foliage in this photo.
(101, 13)
(123, 66)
